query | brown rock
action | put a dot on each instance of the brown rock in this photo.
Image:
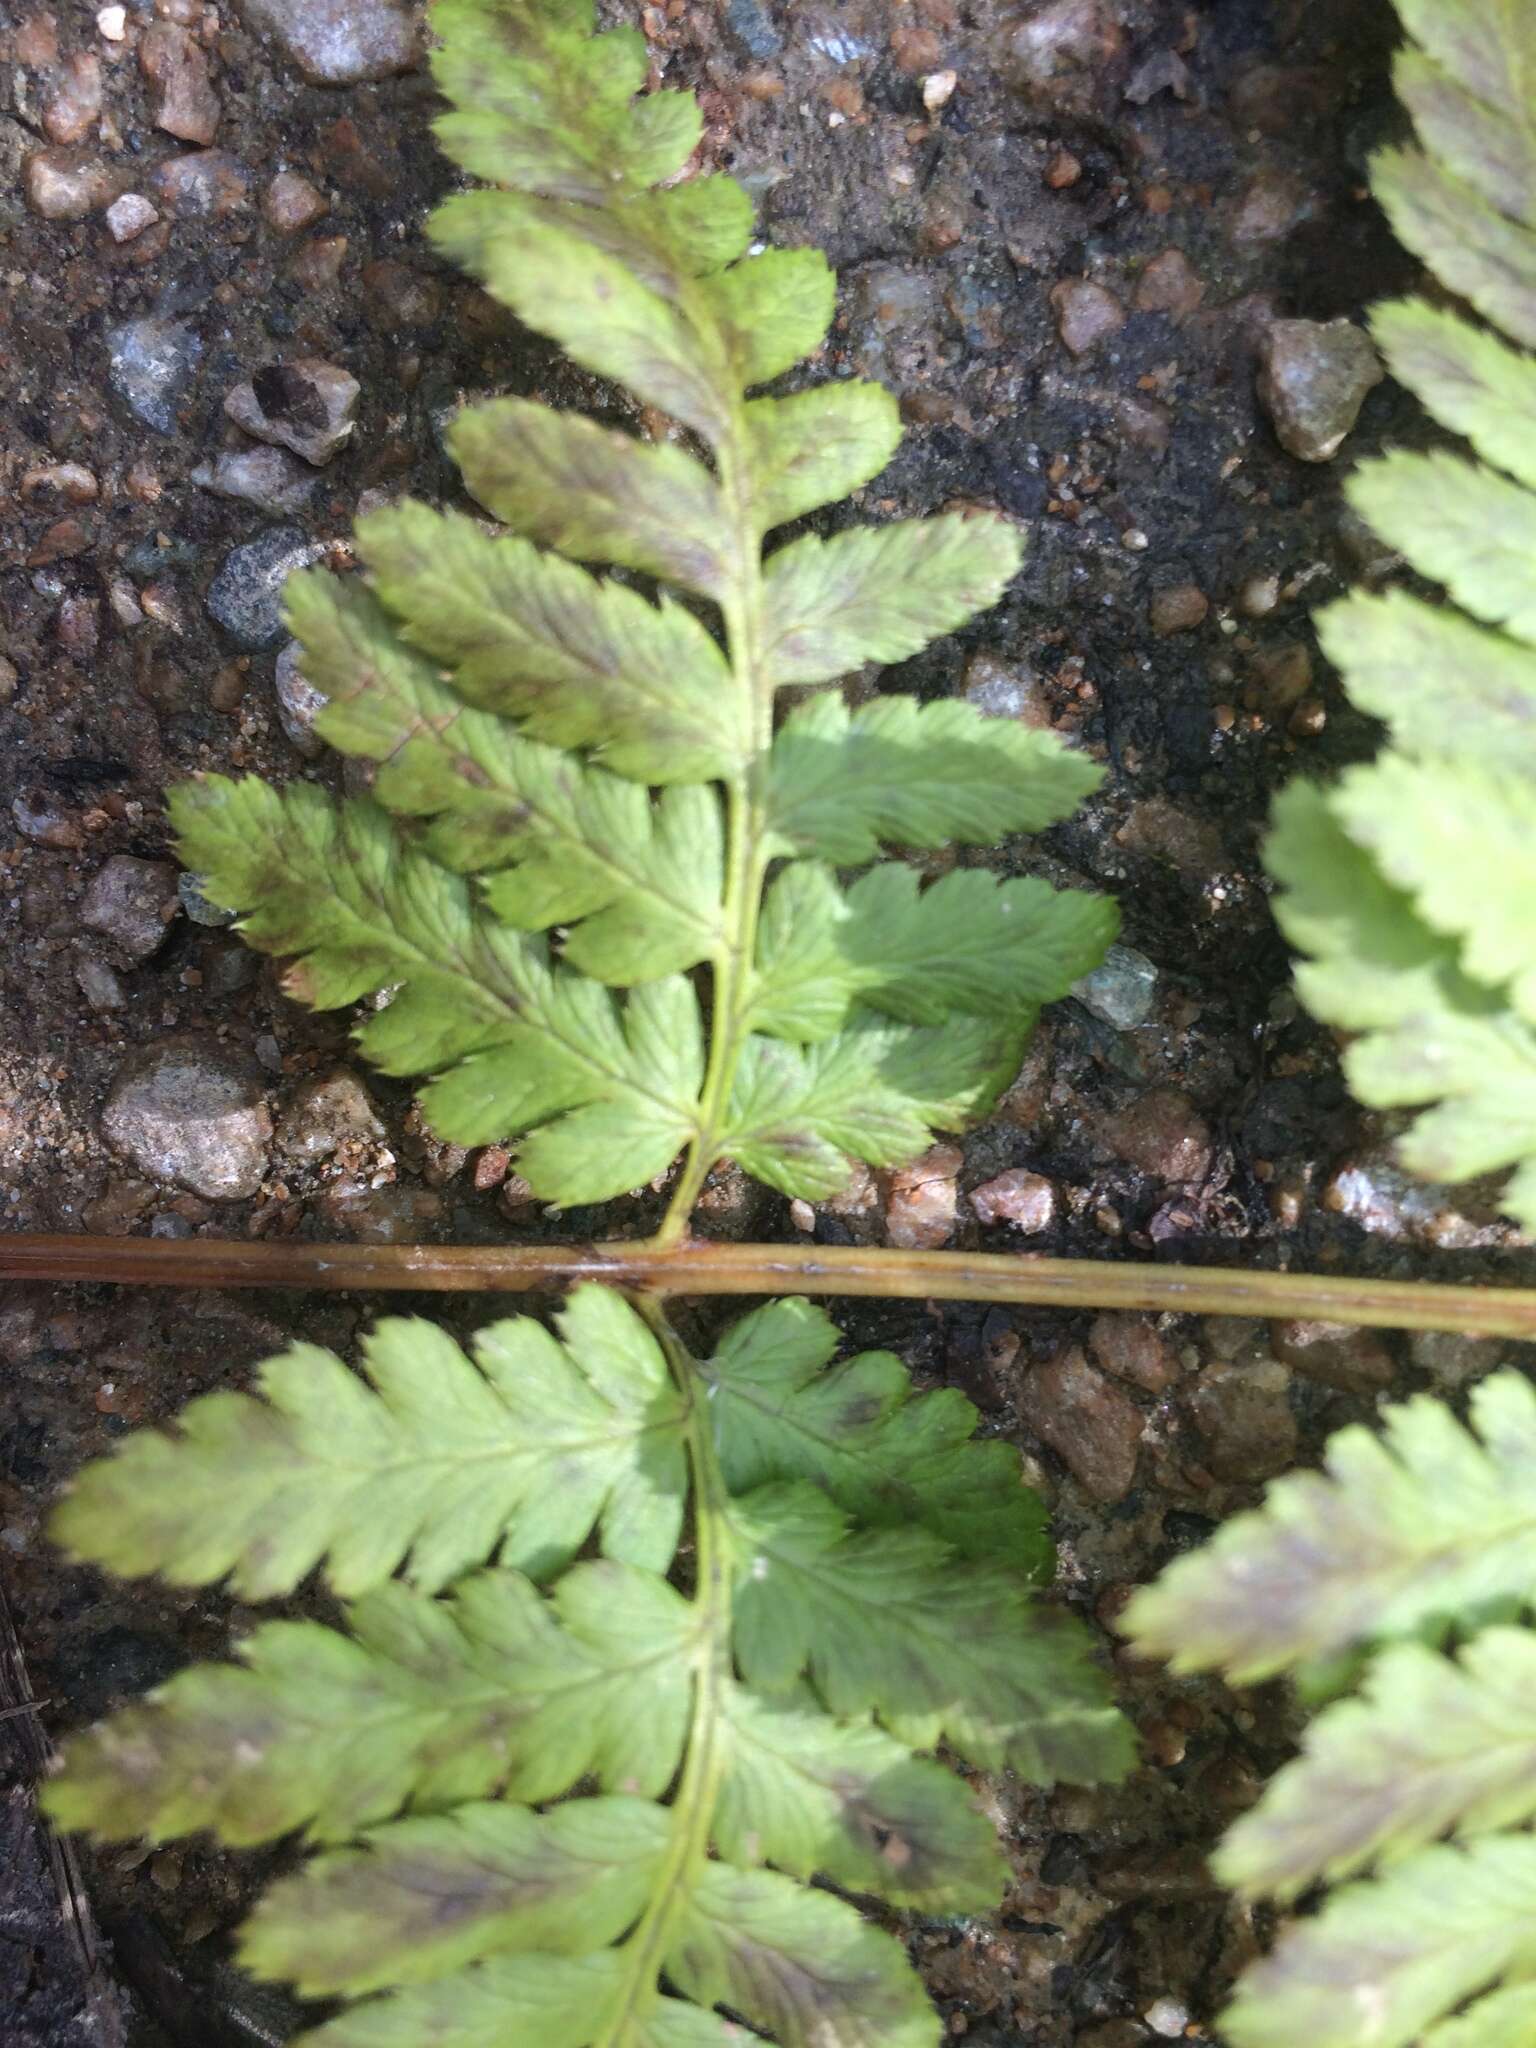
(291, 203)
(1283, 674)
(316, 264)
(307, 405)
(398, 296)
(1092, 1426)
(68, 184)
(1086, 314)
(206, 184)
(1179, 608)
(920, 1209)
(1271, 206)
(1062, 170)
(1337, 1354)
(915, 50)
(1025, 1200)
(72, 102)
(1313, 379)
(1244, 1420)
(1169, 284)
(1162, 1135)
(1131, 1348)
(182, 99)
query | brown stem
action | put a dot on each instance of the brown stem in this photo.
(697, 1268)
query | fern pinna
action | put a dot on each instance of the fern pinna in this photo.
(1399, 1572)
(1411, 885)
(637, 1642)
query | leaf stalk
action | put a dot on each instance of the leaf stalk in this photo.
(692, 1267)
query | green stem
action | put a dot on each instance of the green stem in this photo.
(692, 1811)
(746, 837)
(702, 1269)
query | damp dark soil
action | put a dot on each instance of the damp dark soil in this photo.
(1064, 229)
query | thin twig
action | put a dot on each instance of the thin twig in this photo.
(698, 1268)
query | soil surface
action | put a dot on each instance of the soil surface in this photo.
(1065, 230)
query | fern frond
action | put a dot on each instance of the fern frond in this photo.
(1424, 1533)
(517, 1789)
(1428, 1523)
(579, 780)
(1432, 843)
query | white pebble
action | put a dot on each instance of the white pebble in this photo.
(938, 89)
(113, 23)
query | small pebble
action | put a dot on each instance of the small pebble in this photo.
(1243, 1415)
(112, 22)
(290, 203)
(1167, 2017)
(129, 216)
(1169, 284)
(99, 983)
(1062, 170)
(920, 1209)
(130, 903)
(1179, 608)
(327, 1111)
(299, 703)
(1025, 1200)
(268, 477)
(196, 904)
(68, 184)
(1162, 1135)
(1336, 1354)
(1131, 1347)
(939, 89)
(337, 42)
(1086, 314)
(1092, 1425)
(73, 102)
(246, 596)
(1313, 378)
(187, 1112)
(1120, 991)
(203, 185)
(41, 818)
(308, 405)
(151, 363)
(183, 102)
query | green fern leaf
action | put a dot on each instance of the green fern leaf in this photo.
(910, 774)
(443, 1464)
(966, 945)
(638, 1707)
(1466, 527)
(883, 1457)
(1383, 1960)
(419, 1898)
(1445, 686)
(1467, 378)
(800, 1965)
(1501, 2019)
(1433, 1744)
(422, 1703)
(879, 593)
(808, 1793)
(1402, 1533)
(817, 446)
(979, 1661)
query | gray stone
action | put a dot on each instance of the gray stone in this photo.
(748, 21)
(130, 903)
(129, 216)
(299, 703)
(328, 1111)
(68, 184)
(1086, 314)
(188, 1112)
(151, 362)
(337, 42)
(98, 981)
(309, 406)
(1313, 378)
(1120, 991)
(197, 906)
(246, 596)
(268, 477)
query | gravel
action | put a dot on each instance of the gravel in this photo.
(307, 405)
(151, 364)
(338, 42)
(1313, 379)
(130, 903)
(246, 596)
(191, 1114)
